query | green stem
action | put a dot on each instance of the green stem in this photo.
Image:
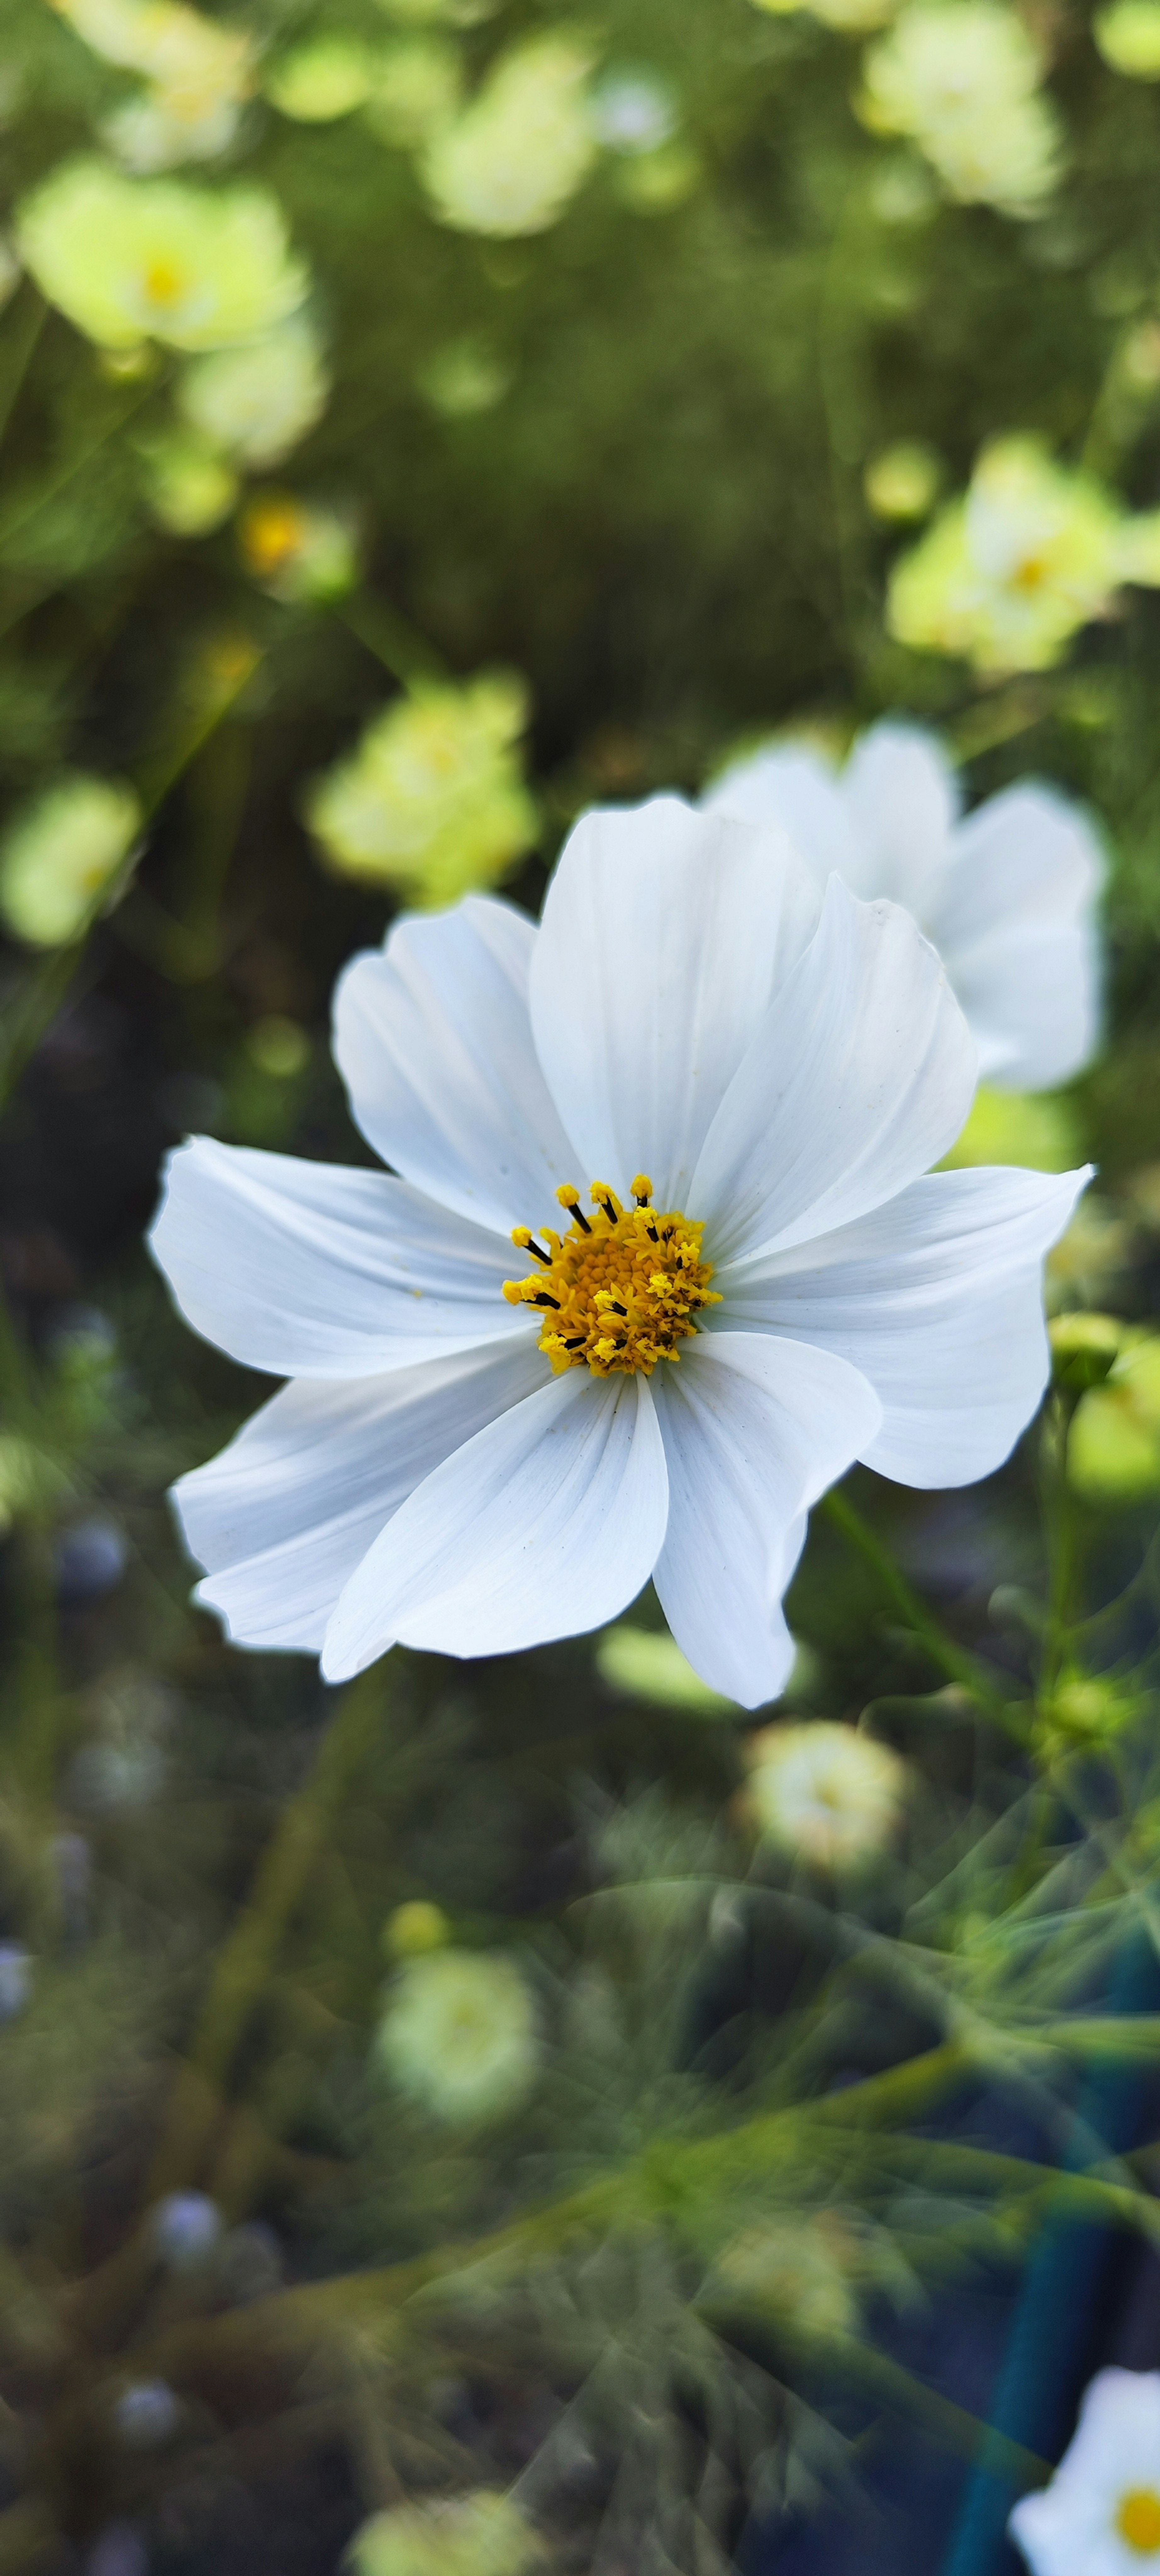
(951, 1659)
(394, 642)
(246, 1961)
(1063, 1540)
(25, 351)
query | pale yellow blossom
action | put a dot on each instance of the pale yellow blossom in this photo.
(475, 2535)
(961, 78)
(1128, 36)
(134, 259)
(824, 1791)
(432, 799)
(459, 2035)
(516, 156)
(259, 401)
(63, 855)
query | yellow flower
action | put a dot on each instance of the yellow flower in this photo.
(1113, 1453)
(797, 2270)
(297, 549)
(459, 2035)
(1008, 573)
(901, 482)
(1128, 36)
(258, 402)
(511, 162)
(961, 78)
(59, 858)
(415, 1928)
(200, 73)
(188, 486)
(823, 1790)
(133, 259)
(322, 80)
(476, 2535)
(432, 800)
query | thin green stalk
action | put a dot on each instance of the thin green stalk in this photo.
(1063, 1538)
(951, 1659)
(247, 1959)
(11, 385)
(391, 638)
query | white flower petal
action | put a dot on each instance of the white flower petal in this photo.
(860, 1076)
(754, 1431)
(903, 798)
(432, 1039)
(309, 1270)
(795, 788)
(283, 1516)
(543, 1525)
(664, 934)
(1016, 926)
(937, 1299)
(1069, 2528)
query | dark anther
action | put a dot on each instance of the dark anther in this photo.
(534, 1248)
(581, 1219)
(542, 1298)
(576, 1344)
(614, 1309)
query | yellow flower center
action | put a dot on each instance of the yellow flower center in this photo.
(1138, 2520)
(273, 532)
(165, 282)
(621, 1288)
(1032, 574)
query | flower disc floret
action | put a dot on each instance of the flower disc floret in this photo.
(621, 1288)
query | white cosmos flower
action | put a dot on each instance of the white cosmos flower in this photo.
(1100, 2516)
(784, 1066)
(1007, 894)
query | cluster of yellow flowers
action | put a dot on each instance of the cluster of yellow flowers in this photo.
(197, 76)
(1027, 555)
(432, 800)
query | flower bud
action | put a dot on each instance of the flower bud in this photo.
(1083, 1348)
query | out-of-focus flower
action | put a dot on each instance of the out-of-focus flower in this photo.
(1007, 895)
(520, 1454)
(1008, 573)
(796, 2269)
(189, 487)
(63, 855)
(477, 2535)
(416, 90)
(132, 259)
(647, 1665)
(432, 799)
(258, 402)
(415, 1928)
(298, 549)
(1035, 1130)
(185, 2227)
(1128, 36)
(518, 153)
(459, 2035)
(632, 111)
(322, 80)
(902, 482)
(200, 74)
(1083, 1348)
(147, 2414)
(15, 1979)
(850, 17)
(1100, 2513)
(278, 1046)
(1113, 1453)
(89, 1559)
(961, 78)
(823, 1790)
(463, 378)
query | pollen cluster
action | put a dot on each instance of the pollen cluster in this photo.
(621, 1288)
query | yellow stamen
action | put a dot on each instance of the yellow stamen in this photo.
(165, 282)
(272, 533)
(619, 1291)
(1138, 2520)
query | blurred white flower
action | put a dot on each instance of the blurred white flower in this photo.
(475, 2535)
(1029, 553)
(16, 1969)
(63, 855)
(185, 2227)
(258, 402)
(1007, 895)
(823, 1790)
(464, 377)
(632, 111)
(133, 259)
(432, 799)
(961, 77)
(199, 72)
(322, 80)
(1100, 2514)
(459, 2034)
(518, 153)
(473, 1463)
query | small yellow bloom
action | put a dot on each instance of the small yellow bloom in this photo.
(432, 799)
(1008, 573)
(199, 74)
(476, 2535)
(644, 1664)
(961, 77)
(1128, 36)
(1113, 1453)
(823, 1790)
(322, 80)
(459, 2035)
(134, 259)
(903, 481)
(798, 2270)
(517, 155)
(297, 549)
(259, 402)
(64, 854)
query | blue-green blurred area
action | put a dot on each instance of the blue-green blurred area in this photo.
(656, 455)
